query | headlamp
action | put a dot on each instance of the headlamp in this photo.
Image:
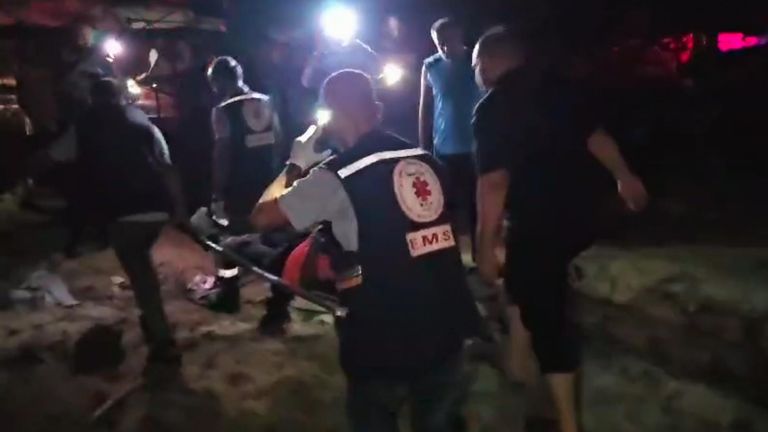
(339, 23)
(113, 48)
(392, 74)
(323, 116)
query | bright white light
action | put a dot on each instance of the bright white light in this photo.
(323, 116)
(113, 47)
(133, 87)
(392, 74)
(340, 23)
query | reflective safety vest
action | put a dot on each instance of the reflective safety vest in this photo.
(253, 138)
(413, 308)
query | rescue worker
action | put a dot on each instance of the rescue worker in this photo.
(246, 133)
(245, 158)
(544, 159)
(133, 188)
(401, 276)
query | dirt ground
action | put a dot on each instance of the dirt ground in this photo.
(236, 380)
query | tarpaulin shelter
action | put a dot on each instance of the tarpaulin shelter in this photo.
(135, 13)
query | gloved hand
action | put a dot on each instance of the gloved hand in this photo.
(218, 214)
(303, 152)
(202, 223)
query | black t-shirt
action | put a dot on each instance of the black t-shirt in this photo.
(536, 126)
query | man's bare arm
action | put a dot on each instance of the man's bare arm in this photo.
(267, 214)
(604, 148)
(425, 113)
(284, 180)
(491, 197)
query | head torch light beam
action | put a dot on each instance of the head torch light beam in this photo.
(323, 116)
(340, 23)
(113, 47)
(392, 74)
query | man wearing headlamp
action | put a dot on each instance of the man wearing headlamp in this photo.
(410, 309)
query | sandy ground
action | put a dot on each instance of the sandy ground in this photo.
(236, 380)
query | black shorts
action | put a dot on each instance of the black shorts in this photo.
(537, 263)
(537, 283)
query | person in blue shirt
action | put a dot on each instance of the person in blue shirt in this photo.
(448, 97)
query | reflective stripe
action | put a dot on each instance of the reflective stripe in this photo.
(244, 97)
(260, 139)
(376, 157)
(228, 273)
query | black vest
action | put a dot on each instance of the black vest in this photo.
(413, 308)
(253, 147)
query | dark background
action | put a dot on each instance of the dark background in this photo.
(696, 131)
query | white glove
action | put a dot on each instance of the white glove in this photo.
(303, 153)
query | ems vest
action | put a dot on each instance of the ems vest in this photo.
(253, 148)
(413, 308)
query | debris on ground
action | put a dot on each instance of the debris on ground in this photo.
(52, 287)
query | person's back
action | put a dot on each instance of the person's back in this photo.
(128, 176)
(253, 150)
(117, 152)
(556, 179)
(398, 273)
(539, 149)
(414, 297)
(246, 132)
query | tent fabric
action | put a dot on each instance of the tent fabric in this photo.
(54, 13)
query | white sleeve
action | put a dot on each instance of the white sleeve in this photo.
(312, 199)
(160, 146)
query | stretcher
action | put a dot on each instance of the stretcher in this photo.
(324, 301)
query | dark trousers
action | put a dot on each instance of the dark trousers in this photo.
(132, 242)
(536, 278)
(461, 193)
(268, 251)
(435, 400)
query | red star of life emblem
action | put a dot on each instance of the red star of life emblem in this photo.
(421, 189)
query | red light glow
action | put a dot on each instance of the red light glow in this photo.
(737, 41)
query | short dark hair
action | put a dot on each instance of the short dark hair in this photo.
(444, 24)
(227, 68)
(499, 41)
(106, 91)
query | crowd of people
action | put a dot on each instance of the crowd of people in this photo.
(505, 142)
